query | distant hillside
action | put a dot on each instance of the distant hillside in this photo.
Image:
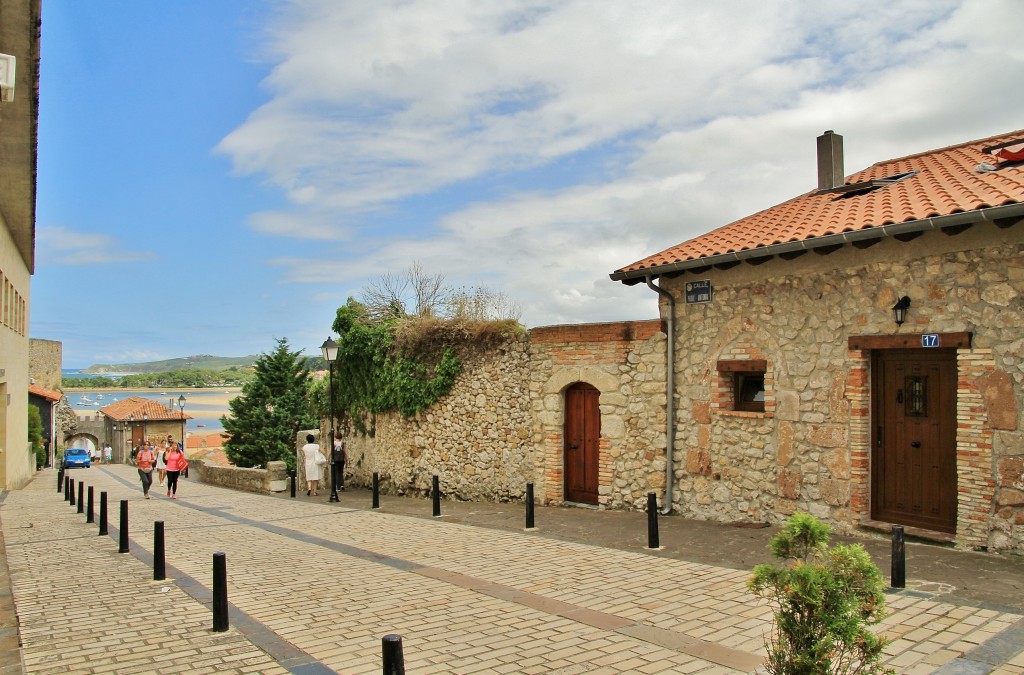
(198, 362)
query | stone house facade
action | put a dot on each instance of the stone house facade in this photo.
(856, 352)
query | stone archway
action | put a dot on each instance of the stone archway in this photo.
(551, 420)
(82, 440)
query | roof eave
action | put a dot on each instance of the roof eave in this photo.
(991, 213)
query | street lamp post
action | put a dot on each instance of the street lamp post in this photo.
(330, 351)
(181, 408)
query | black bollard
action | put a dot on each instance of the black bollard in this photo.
(529, 506)
(71, 491)
(394, 660)
(220, 593)
(376, 490)
(81, 493)
(60, 479)
(652, 521)
(89, 511)
(67, 487)
(435, 491)
(899, 558)
(123, 543)
(103, 514)
(159, 557)
(291, 477)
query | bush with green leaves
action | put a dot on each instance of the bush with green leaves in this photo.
(823, 600)
(35, 435)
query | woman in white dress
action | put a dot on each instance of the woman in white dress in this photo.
(311, 458)
(161, 464)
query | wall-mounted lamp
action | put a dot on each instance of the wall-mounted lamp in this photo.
(899, 310)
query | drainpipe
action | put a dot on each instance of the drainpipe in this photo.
(670, 390)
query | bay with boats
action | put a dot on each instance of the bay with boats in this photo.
(203, 406)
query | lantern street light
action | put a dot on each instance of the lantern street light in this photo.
(330, 351)
(181, 409)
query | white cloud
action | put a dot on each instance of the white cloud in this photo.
(653, 122)
(61, 246)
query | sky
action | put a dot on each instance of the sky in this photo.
(214, 176)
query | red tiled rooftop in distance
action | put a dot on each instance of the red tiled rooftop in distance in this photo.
(946, 183)
(138, 406)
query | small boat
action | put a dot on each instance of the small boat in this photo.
(200, 426)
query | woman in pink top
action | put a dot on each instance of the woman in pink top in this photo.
(176, 463)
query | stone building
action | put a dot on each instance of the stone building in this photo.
(19, 115)
(136, 420)
(857, 351)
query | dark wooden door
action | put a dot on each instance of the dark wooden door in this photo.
(913, 468)
(582, 436)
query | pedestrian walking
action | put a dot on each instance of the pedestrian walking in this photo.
(176, 463)
(161, 462)
(108, 453)
(313, 460)
(339, 458)
(144, 461)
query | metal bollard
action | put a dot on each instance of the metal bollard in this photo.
(220, 593)
(435, 491)
(81, 494)
(394, 660)
(899, 558)
(159, 557)
(652, 521)
(71, 491)
(123, 543)
(89, 511)
(291, 478)
(67, 487)
(103, 514)
(376, 491)
(529, 506)
(60, 479)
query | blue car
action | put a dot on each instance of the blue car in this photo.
(76, 457)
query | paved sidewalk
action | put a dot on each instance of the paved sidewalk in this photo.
(314, 587)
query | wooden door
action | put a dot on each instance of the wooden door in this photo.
(913, 467)
(581, 436)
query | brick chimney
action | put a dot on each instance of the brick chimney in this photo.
(830, 161)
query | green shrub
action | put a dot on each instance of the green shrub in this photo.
(823, 600)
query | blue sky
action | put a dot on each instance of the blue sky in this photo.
(214, 175)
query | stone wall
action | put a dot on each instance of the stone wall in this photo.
(477, 439)
(501, 426)
(45, 359)
(810, 449)
(272, 479)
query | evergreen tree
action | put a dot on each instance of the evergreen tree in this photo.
(273, 407)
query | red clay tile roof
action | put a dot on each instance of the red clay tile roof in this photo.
(48, 394)
(946, 183)
(137, 406)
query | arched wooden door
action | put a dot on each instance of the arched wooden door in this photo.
(582, 435)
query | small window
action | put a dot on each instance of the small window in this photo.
(742, 384)
(749, 388)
